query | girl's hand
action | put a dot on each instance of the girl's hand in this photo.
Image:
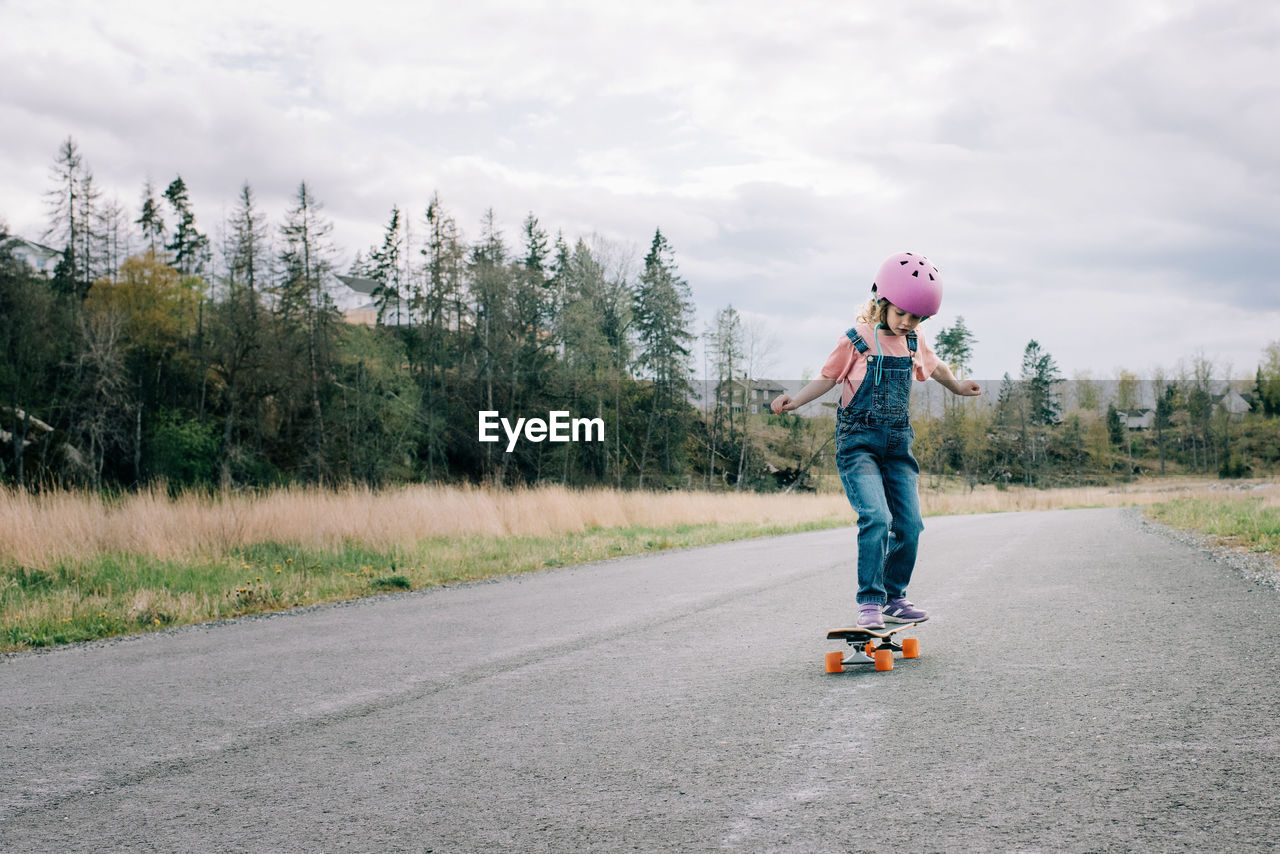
(967, 388)
(781, 403)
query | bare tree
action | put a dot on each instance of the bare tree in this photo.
(759, 349)
(106, 407)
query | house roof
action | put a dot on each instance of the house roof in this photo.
(358, 284)
(14, 239)
(765, 384)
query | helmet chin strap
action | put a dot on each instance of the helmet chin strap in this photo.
(879, 358)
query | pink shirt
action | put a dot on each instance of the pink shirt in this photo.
(847, 365)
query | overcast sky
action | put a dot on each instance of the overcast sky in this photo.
(1100, 176)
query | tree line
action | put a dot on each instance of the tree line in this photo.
(1043, 430)
(157, 353)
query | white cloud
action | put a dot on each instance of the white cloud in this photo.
(1052, 159)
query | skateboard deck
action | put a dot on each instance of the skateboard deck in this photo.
(887, 631)
(872, 646)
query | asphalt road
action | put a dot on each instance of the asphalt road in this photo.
(1068, 698)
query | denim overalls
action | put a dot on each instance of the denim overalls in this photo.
(873, 454)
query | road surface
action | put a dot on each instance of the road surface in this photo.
(677, 702)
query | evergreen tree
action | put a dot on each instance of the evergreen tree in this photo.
(151, 219)
(663, 312)
(304, 304)
(89, 251)
(1115, 426)
(536, 251)
(65, 204)
(585, 359)
(534, 301)
(490, 282)
(955, 346)
(1266, 390)
(617, 310)
(1164, 418)
(189, 247)
(385, 269)
(440, 307)
(360, 266)
(532, 305)
(239, 349)
(1040, 378)
(247, 258)
(556, 283)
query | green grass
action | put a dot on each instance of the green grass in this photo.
(1247, 523)
(119, 594)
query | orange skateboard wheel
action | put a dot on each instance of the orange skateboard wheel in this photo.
(835, 662)
(884, 659)
(911, 647)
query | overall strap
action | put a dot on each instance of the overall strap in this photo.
(911, 341)
(857, 340)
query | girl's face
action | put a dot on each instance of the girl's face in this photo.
(901, 322)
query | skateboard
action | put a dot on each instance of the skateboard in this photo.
(872, 646)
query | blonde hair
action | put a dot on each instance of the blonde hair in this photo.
(873, 311)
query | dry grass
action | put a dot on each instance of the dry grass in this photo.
(40, 530)
(987, 499)
(1248, 521)
(78, 566)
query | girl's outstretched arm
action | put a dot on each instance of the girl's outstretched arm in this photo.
(815, 389)
(943, 375)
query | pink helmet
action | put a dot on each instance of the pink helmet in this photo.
(910, 282)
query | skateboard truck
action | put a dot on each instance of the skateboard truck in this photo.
(871, 646)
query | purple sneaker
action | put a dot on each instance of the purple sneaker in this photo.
(869, 616)
(902, 611)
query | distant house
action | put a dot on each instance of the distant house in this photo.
(1235, 404)
(40, 258)
(356, 298)
(752, 396)
(1138, 419)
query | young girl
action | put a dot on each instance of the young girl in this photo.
(875, 360)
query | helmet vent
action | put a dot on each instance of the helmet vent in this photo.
(916, 273)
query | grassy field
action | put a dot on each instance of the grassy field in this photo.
(1249, 521)
(80, 566)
